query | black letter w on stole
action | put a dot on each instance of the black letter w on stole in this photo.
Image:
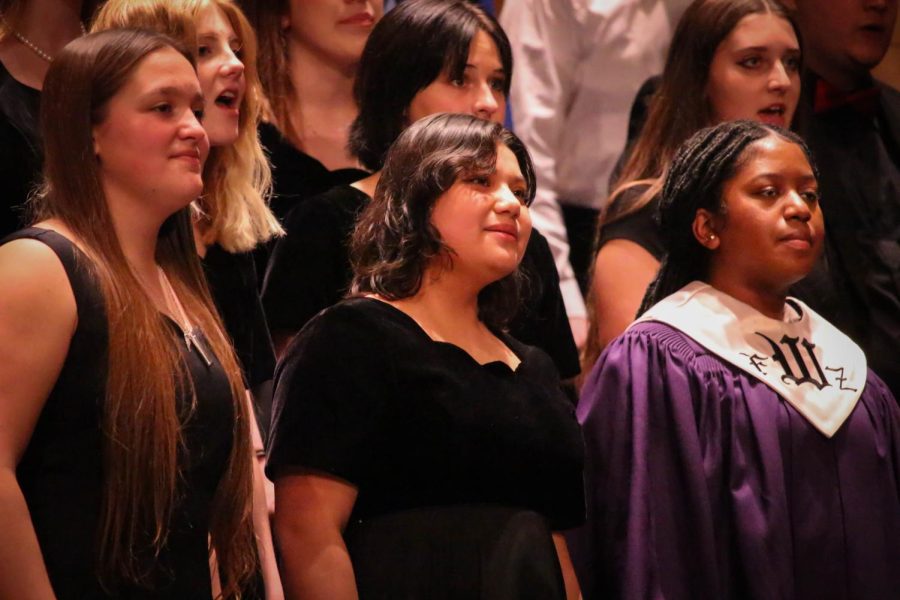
(803, 363)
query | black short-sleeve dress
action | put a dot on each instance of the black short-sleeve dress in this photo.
(234, 287)
(462, 469)
(61, 471)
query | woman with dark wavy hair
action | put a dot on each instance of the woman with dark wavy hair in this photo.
(418, 450)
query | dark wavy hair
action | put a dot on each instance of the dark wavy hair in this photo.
(695, 179)
(395, 241)
(407, 50)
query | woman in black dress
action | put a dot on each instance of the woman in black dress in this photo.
(27, 46)
(424, 57)
(126, 456)
(232, 217)
(309, 54)
(418, 450)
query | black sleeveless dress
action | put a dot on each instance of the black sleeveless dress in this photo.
(61, 472)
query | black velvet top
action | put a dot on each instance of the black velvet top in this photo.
(365, 394)
(297, 175)
(234, 288)
(310, 270)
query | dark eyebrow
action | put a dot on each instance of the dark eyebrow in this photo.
(499, 70)
(766, 49)
(809, 177)
(170, 90)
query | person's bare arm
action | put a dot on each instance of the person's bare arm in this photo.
(311, 512)
(622, 272)
(38, 316)
(573, 591)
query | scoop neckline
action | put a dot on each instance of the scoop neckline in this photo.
(413, 324)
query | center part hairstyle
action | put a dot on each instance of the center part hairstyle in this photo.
(681, 106)
(695, 180)
(395, 242)
(237, 179)
(409, 48)
(140, 422)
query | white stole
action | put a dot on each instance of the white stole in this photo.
(803, 358)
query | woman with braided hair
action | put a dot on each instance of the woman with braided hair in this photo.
(738, 446)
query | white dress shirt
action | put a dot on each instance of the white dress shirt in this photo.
(578, 66)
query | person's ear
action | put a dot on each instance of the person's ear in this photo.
(706, 227)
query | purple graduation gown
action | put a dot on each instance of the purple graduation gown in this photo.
(702, 483)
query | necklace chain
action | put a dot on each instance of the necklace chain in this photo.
(31, 45)
(191, 340)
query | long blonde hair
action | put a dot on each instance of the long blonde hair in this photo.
(237, 178)
(140, 421)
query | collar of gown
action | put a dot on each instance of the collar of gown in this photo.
(805, 359)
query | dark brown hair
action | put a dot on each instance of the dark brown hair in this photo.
(680, 106)
(395, 241)
(266, 16)
(140, 420)
(409, 49)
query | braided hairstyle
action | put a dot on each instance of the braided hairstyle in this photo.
(694, 181)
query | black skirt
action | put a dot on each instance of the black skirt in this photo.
(456, 552)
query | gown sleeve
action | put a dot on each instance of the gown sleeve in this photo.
(330, 392)
(650, 515)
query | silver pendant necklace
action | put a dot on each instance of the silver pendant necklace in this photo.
(191, 339)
